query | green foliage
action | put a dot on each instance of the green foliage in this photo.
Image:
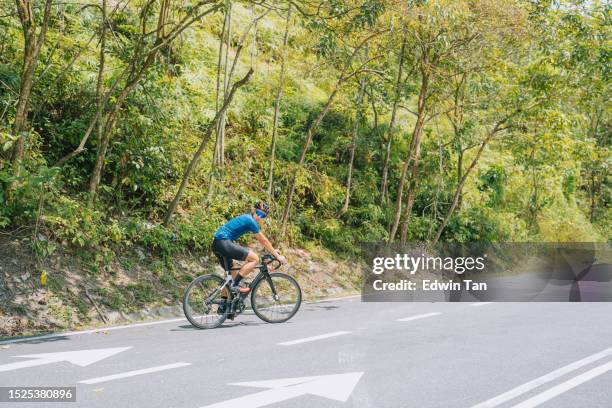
(493, 181)
(70, 221)
(111, 297)
(20, 205)
(478, 224)
(539, 71)
(142, 292)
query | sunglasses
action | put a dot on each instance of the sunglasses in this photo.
(261, 214)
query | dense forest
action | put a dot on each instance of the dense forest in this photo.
(153, 121)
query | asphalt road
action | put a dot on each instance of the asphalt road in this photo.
(341, 353)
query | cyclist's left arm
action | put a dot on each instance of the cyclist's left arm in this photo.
(266, 243)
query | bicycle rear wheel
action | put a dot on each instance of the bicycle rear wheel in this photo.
(201, 301)
(277, 308)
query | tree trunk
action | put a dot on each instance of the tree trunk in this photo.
(460, 173)
(461, 183)
(279, 94)
(592, 197)
(102, 140)
(410, 155)
(411, 187)
(218, 89)
(196, 157)
(416, 155)
(349, 178)
(220, 156)
(374, 111)
(32, 47)
(398, 81)
(458, 123)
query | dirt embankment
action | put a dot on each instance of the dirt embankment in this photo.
(74, 289)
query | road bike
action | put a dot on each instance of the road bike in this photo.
(275, 296)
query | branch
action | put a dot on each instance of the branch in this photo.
(44, 26)
(407, 109)
(194, 161)
(183, 25)
(241, 44)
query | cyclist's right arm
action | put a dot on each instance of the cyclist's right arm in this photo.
(266, 243)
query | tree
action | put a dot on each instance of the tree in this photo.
(354, 135)
(448, 38)
(396, 100)
(34, 38)
(345, 74)
(220, 139)
(206, 137)
(147, 45)
(277, 102)
(219, 150)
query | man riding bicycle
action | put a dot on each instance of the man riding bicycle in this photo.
(227, 250)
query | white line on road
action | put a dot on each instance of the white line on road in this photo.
(133, 373)
(91, 331)
(417, 317)
(133, 325)
(314, 338)
(522, 389)
(332, 299)
(565, 386)
(480, 304)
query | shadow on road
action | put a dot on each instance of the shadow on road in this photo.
(226, 325)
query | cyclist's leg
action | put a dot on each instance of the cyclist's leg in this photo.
(226, 264)
(230, 249)
(220, 250)
(241, 253)
(251, 262)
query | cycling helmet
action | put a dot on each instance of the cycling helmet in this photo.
(262, 209)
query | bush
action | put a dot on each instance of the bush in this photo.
(20, 205)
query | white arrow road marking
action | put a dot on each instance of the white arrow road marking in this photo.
(417, 317)
(81, 358)
(565, 386)
(314, 338)
(133, 373)
(337, 387)
(522, 389)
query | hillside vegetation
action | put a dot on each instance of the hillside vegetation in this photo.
(142, 125)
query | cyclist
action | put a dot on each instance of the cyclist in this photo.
(226, 249)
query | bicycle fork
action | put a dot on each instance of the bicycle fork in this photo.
(272, 288)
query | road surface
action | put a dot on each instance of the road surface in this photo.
(341, 353)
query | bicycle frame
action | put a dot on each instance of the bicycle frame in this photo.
(264, 273)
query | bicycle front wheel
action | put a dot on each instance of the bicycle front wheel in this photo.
(276, 300)
(201, 301)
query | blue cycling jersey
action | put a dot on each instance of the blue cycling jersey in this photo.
(237, 227)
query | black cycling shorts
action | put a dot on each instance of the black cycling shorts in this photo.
(227, 251)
